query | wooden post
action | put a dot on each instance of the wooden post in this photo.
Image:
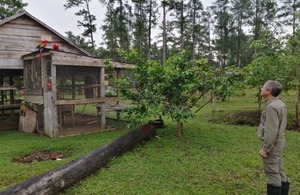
(118, 113)
(73, 86)
(12, 92)
(56, 180)
(54, 98)
(2, 92)
(50, 109)
(102, 94)
(44, 75)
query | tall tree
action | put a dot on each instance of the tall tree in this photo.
(88, 19)
(289, 11)
(223, 28)
(118, 25)
(152, 10)
(109, 27)
(10, 7)
(124, 15)
(240, 14)
(165, 4)
(263, 16)
(205, 42)
(140, 30)
(179, 19)
(199, 28)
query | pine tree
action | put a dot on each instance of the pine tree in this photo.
(80, 42)
(165, 5)
(289, 11)
(140, 29)
(223, 27)
(88, 22)
(262, 16)
(117, 26)
(152, 11)
(198, 29)
(179, 21)
(241, 16)
(109, 27)
(10, 7)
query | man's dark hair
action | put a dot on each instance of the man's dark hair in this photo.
(274, 86)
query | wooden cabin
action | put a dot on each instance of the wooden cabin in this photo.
(56, 80)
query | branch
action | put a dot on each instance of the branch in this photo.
(190, 106)
(205, 104)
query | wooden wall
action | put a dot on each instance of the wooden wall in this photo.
(21, 35)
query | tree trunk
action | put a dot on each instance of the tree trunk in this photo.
(62, 177)
(182, 21)
(297, 114)
(149, 29)
(179, 129)
(214, 100)
(259, 100)
(164, 46)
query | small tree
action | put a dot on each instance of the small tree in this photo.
(172, 90)
(293, 60)
(271, 63)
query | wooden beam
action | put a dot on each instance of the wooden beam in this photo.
(35, 99)
(75, 60)
(122, 65)
(86, 101)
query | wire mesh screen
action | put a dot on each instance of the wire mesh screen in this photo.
(76, 82)
(33, 74)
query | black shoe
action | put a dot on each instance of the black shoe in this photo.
(273, 190)
(285, 186)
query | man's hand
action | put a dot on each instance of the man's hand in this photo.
(263, 153)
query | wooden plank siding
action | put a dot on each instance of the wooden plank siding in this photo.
(20, 34)
(75, 60)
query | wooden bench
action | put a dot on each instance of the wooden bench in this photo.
(118, 108)
(10, 107)
(65, 109)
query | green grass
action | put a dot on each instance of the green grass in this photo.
(15, 144)
(212, 157)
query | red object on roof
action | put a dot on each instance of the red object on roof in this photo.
(55, 46)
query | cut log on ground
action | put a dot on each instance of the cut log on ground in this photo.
(62, 177)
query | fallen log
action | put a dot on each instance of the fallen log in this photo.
(55, 181)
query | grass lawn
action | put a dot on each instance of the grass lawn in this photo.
(212, 158)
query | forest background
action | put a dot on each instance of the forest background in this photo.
(250, 35)
(247, 34)
(223, 32)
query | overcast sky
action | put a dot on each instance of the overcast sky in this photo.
(53, 13)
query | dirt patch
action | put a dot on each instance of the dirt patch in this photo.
(39, 156)
(248, 117)
(251, 118)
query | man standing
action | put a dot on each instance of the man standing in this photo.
(271, 129)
